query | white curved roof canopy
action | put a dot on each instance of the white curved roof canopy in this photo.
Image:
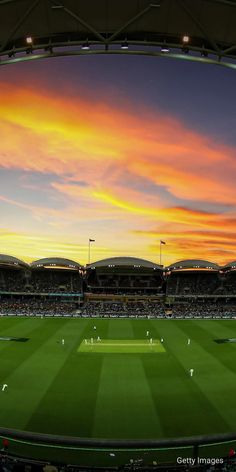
(5, 259)
(230, 265)
(55, 262)
(193, 264)
(124, 261)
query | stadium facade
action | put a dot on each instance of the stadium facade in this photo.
(68, 280)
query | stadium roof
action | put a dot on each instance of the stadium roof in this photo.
(11, 261)
(230, 265)
(193, 264)
(55, 262)
(200, 30)
(124, 261)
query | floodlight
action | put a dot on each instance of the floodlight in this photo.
(124, 45)
(165, 48)
(185, 39)
(85, 46)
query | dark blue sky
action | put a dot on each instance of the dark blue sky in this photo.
(201, 95)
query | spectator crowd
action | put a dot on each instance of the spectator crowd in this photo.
(36, 307)
(107, 309)
(40, 281)
(157, 309)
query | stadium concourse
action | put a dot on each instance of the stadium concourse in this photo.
(117, 287)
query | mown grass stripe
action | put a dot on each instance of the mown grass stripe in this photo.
(207, 384)
(73, 390)
(29, 371)
(124, 402)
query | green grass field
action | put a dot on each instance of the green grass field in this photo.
(122, 387)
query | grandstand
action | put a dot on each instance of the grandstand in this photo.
(124, 275)
(228, 275)
(117, 287)
(193, 277)
(51, 286)
(56, 275)
(14, 274)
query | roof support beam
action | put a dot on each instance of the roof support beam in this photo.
(199, 25)
(3, 2)
(228, 50)
(229, 3)
(19, 23)
(132, 20)
(79, 20)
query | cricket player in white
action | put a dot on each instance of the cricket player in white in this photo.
(4, 387)
(63, 342)
(95, 327)
(147, 333)
(191, 372)
(91, 340)
(162, 340)
(150, 341)
(98, 339)
(189, 341)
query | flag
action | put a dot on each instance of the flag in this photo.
(91, 240)
(162, 242)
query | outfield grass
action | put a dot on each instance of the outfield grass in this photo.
(124, 388)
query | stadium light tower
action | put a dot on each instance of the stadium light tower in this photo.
(89, 244)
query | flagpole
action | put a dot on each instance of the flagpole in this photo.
(89, 245)
(161, 242)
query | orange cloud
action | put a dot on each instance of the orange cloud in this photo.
(216, 245)
(101, 144)
(40, 131)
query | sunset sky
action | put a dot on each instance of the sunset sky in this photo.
(124, 150)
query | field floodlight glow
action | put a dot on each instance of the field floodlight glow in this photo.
(85, 46)
(165, 48)
(124, 45)
(185, 39)
(29, 40)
